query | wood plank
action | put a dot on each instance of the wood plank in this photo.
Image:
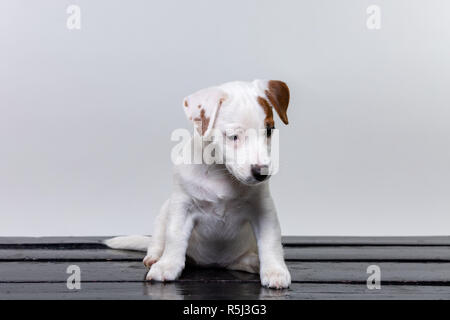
(38, 243)
(322, 272)
(50, 240)
(48, 255)
(366, 241)
(287, 240)
(106, 271)
(370, 253)
(218, 291)
(340, 253)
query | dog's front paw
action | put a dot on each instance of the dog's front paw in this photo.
(165, 271)
(149, 260)
(275, 277)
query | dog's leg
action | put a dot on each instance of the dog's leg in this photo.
(178, 230)
(157, 243)
(249, 262)
(273, 270)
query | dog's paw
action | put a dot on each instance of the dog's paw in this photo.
(149, 260)
(276, 277)
(165, 271)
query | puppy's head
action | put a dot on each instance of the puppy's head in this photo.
(237, 117)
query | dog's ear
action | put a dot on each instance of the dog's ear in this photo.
(202, 107)
(277, 93)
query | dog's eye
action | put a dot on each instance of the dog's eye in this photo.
(233, 137)
(269, 132)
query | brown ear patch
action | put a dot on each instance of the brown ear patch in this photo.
(278, 95)
(268, 121)
(204, 121)
(202, 108)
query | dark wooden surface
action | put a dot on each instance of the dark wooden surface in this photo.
(321, 268)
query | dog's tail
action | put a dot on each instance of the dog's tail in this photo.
(136, 243)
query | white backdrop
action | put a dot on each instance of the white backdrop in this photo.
(86, 115)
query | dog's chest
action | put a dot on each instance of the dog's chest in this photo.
(219, 221)
(220, 209)
(214, 209)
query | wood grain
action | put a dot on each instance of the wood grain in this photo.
(335, 272)
(321, 268)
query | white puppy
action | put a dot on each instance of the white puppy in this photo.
(222, 214)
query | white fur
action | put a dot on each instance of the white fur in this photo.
(136, 243)
(218, 214)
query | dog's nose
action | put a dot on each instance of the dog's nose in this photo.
(259, 172)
